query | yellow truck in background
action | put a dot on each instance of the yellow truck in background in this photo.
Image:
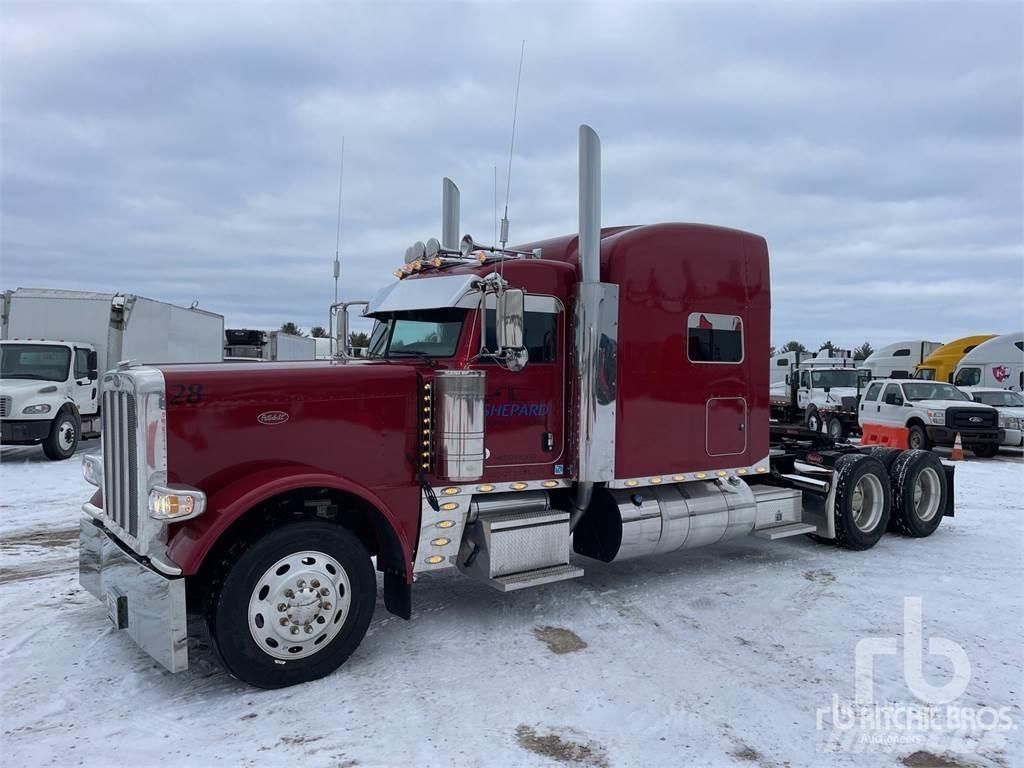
(941, 363)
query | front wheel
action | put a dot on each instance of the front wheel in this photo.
(293, 606)
(813, 419)
(62, 441)
(917, 439)
(984, 450)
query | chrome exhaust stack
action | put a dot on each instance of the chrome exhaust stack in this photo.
(596, 339)
(449, 215)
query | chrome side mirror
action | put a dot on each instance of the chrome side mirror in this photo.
(510, 319)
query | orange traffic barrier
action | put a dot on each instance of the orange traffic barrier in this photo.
(881, 434)
(958, 450)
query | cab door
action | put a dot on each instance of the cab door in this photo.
(803, 393)
(83, 387)
(890, 408)
(524, 411)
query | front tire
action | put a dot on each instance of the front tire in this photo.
(862, 501)
(813, 419)
(65, 432)
(917, 438)
(293, 606)
(984, 450)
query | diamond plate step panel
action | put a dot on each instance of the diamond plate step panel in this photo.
(535, 578)
(782, 531)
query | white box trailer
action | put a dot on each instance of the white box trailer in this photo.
(285, 346)
(56, 345)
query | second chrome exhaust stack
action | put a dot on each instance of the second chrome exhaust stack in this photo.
(596, 338)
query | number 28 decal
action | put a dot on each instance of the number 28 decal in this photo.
(186, 394)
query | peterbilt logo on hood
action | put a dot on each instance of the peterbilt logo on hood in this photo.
(272, 417)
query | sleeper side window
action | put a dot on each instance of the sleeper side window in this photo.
(714, 338)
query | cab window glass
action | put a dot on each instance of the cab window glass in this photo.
(893, 389)
(540, 335)
(901, 353)
(81, 363)
(968, 377)
(872, 393)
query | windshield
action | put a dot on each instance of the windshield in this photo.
(847, 377)
(35, 361)
(932, 391)
(928, 374)
(1000, 399)
(419, 333)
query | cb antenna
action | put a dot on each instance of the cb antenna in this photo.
(511, 146)
(337, 239)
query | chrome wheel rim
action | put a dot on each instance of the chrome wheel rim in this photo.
(915, 440)
(812, 423)
(927, 493)
(867, 503)
(835, 429)
(299, 605)
(66, 435)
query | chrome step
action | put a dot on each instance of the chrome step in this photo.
(782, 531)
(535, 578)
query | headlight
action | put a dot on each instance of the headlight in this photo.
(1009, 422)
(33, 409)
(92, 470)
(175, 504)
(937, 417)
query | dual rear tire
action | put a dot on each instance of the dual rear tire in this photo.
(887, 489)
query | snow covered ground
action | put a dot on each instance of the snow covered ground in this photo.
(722, 656)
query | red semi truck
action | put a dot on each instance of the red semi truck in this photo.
(604, 393)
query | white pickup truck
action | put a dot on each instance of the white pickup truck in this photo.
(933, 413)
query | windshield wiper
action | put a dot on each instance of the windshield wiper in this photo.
(412, 352)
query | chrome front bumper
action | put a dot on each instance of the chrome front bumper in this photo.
(150, 606)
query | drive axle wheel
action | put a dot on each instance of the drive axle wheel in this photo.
(293, 606)
(836, 429)
(919, 493)
(862, 501)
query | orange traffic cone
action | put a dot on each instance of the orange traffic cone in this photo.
(958, 450)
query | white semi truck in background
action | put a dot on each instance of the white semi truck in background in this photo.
(54, 345)
(250, 344)
(819, 391)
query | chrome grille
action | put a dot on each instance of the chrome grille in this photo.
(121, 460)
(5, 406)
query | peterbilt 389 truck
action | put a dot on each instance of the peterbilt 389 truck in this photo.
(520, 411)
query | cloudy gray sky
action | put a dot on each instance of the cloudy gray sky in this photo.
(190, 150)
